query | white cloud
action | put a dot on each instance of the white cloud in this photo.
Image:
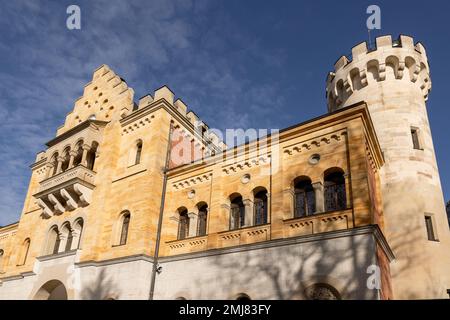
(197, 50)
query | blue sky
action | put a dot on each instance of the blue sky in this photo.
(259, 64)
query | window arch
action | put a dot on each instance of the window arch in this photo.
(78, 230)
(24, 252)
(2, 253)
(237, 211)
(79, 153)
(183, 223)
(334, 190)
(91, 154)
(124, 228)
(66, 157)
(243, 296)
(322, 291)
(54, 163)
(304, 198)
(138, 152)
(202, 219)
(67, 233)
(53, 241)
(260, 206)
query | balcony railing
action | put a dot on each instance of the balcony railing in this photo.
(318, 223)
(244, 236)
(66, 191)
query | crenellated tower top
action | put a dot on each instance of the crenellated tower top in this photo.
(396, 59)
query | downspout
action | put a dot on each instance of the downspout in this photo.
(161, 211)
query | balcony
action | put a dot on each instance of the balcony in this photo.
(66, 191)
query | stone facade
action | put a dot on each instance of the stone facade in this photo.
(142, 200)
(394, 80)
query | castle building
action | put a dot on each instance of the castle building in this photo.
(145, 201)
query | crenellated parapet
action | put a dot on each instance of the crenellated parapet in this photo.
(400, 60)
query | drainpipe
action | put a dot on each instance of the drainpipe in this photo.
(161, 211)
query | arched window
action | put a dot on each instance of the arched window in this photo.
(260, 206)
(68, 237)
(334, 190)
(79, 156)
(137, 159)
(183, 224)
(53, 241)
(78, 228)
(66, 157)
(237, 212)
(91, 156)
(304, 199)
(24, 252)
(2, 253)
(243, 296)
(54, 162)
(202, 219)
(124, 230)
(322, 291)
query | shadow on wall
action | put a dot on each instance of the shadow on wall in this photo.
(286, 273)
(412, 261)
(100, 289)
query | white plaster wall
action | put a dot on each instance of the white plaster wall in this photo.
(273, 273)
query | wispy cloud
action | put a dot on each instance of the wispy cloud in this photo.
(193, 46)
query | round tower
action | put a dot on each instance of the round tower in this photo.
(394, 80)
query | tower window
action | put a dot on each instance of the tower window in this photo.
(430, 230)
(124, 231)
(137, 160)
(415, 138)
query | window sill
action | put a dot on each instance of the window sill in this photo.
(57, 255)
(319, 214)
(118, 245)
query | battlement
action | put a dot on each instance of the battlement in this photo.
(167, 94)
(399, 59)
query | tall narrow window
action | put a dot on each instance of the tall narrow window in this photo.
(1, 260)
(415, 138)
(430, 230)
(56, 243)
(124, 231)
(202, 218)
(237, 213)
(183, 225)
(138, 152)
(91, 155)
(78, 227)
(260, 207)
(304, 198)
(66, 156)
(334, 190)
(24, 252)
(69, 240)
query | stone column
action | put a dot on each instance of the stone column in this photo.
(347, 190)
(72, 155)
(319, 197)
(85, 148)
(59, 167)
(49, 170)
(193, 220)
(62, 242)
(249, 216)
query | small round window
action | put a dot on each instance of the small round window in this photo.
(191, 194)
(314, 159)
(245, 178)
